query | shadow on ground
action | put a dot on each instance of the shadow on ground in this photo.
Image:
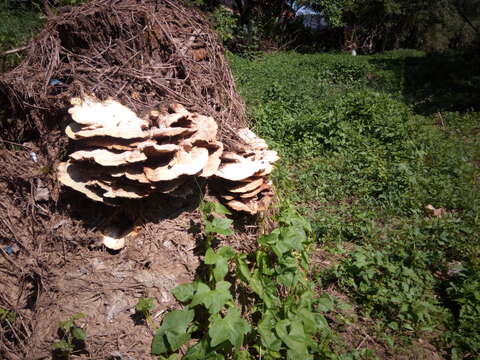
(435, 82)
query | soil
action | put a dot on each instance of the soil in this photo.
(53, 265)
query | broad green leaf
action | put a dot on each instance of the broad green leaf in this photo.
(159, 343)
(209, 207)
(264, 292)
(308, 319)
(213, 355)
(291, 238)
(201, 351)
(220, 209)
(232, 328)
(295, 338)
(287, 279)
(211, 257)
(175, 340)
(171, 357)
(177, 320)
(242, 268)
(267, 336)
(66, 325)
(241, 355)
(226, 252)
(197, 351)
(221, 269)
(202, 291)
(262, 262)
(173, 332)
(269, 239)
(220, 260)
(184, 292)
(325, 303)
(214, 300)
(222, 226)
(62, 346)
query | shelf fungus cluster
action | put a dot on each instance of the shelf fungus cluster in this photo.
(119, 155)
(242, 178)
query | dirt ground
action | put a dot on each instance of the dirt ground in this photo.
(53, 266)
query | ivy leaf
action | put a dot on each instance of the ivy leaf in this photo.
(173, 332)
(197, 351)
(294, 339)
(201, 351)
(291, 238)
(267, 336)
(221, 269)
(226, 252)
(220, 260)
(232, 328)
(220, 209)
(214, 300)
(222, 226)
(253, 280)
(209, 207)
(184, 292)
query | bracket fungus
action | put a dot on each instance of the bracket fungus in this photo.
(243, 182)
(118, 155)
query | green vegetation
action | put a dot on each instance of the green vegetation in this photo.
(367, 142)
(72, 338)
(366, 25)
(17, 25)
(261, 305)
(143, 308)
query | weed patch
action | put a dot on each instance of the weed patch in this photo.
(367, 144)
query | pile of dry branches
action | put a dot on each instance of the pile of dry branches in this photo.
(144, 54)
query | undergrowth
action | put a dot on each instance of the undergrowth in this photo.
(367, 142)
(258, 306)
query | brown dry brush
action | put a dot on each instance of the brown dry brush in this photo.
(145, 54)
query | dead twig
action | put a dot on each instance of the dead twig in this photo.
(14, 51)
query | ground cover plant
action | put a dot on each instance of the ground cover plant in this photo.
(248, 306)
(367, 142)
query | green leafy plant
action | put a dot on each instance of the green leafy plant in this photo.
(72, 338)
(209, 306)
(143, 308)
(284, 319)
(224, 23)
